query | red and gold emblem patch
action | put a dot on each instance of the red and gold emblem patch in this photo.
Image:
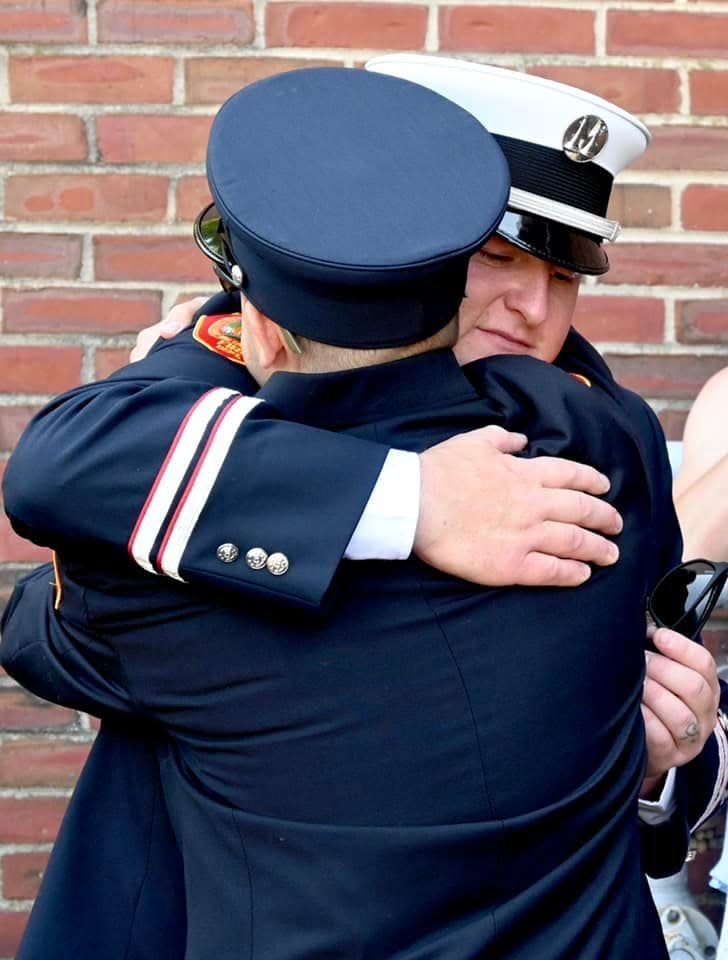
(221, 334)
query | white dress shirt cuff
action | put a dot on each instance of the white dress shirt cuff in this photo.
(386, 528)
(654, 812)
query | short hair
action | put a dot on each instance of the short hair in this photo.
(318, 357)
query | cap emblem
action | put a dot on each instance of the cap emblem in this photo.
(584, 139)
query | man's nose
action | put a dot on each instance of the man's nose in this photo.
(529, 295)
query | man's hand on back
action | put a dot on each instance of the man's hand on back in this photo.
(496, 519)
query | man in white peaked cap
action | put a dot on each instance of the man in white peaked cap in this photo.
(531, 271)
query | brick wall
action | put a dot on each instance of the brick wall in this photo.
(104, 111)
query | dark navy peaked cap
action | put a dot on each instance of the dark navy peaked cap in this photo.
(353, 201)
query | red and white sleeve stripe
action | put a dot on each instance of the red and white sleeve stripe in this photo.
(212, 409)
(200, 484)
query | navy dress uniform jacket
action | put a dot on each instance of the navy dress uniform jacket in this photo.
(319, 771)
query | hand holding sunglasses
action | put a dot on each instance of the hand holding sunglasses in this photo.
(686, 596)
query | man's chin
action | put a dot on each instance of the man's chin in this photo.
(479, 344)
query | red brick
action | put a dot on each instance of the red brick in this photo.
(648, 32)
(87, 79)
(708, 91)
(12, 925)
(13, 420)
(30, 819)
(41, 21)
(621, 319)
(639, 89)
(22, 874)
(193, 194)
(39, 255)
(42, 136)
(78, 196)
(39, 369)
(187, 21)
(702, 321)
(214, 79)
(381, 26)
(518, 29)
(641, 205)
(705, 207)
(673, 376)
(109, 360)
(58, 310)
(150, 258)
(41, 763)
(184, 296)
(673, 422)
(147, 139)
(13, 549)
(686, 148)
(674, 264)
(20, 710)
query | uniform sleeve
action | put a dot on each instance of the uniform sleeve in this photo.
(172, 461)
(54, 660)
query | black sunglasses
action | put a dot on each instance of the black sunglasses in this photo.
(685, 597)
(211, 237)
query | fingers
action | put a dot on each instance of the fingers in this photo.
(573, 542)
(661, 747)
(487, 516)
(179, 317)
(679, 703)
(575, 507)
(682, 723)
(504, 440)
(567, 474)
(145, 340)
(543, 570)
(691, 675)
(688, 653)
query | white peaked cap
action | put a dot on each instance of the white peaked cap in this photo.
(564, 147)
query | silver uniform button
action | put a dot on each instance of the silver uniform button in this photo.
(585, 138)
(277, 564)
(256, 558)
(227, 552)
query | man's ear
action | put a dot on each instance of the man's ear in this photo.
(269, 344)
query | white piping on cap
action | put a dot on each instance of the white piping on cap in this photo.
(563, 213)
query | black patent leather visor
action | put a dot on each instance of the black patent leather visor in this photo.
(554, 242)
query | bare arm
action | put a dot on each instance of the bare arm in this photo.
(701, 489)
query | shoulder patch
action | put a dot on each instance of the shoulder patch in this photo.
(221, 334)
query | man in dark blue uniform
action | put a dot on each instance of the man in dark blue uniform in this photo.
(400, 720)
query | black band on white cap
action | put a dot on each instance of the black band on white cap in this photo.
(549, 173)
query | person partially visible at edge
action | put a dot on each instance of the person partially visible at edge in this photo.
(530, 502)
(420, 819)
(701, 485)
